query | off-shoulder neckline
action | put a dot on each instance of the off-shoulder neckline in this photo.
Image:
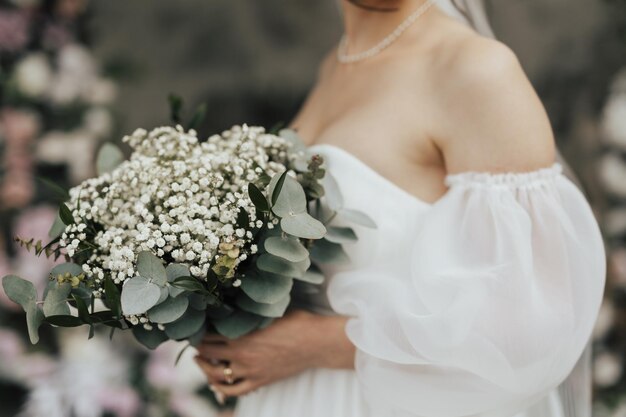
(521, 179)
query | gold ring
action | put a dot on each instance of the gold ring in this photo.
(228, 375)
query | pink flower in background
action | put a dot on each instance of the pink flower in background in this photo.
(11, 346)
(17, 190)
(56, 36)
(13, 30)
(122, 402)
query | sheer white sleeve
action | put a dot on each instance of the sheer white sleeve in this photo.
(506, 279)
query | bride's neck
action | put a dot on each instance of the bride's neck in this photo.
(364, 28)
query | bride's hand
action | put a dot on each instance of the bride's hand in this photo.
(291, 344)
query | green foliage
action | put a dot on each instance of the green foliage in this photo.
(190, 323)
(341, 235)
(109, 157)
(176, 106)
(66, 215)
(149, 338)
(151, 267)
(139, 295)
(169, 310)
(270, 263)
(237, 324)
(358, 217)
(334, 198)
(312, 276)
(174, 271)
(327, 252)
(286, 247)
(275, 310)
(258, 199)
(289, 198)
(198, 116)
(55, 303)
(303, 225)
(112, 297)
(57, 228)
(23, 293)
(266, 287)
(276, 186)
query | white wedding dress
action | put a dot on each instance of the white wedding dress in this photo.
(480, 304)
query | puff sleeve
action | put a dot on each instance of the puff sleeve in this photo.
(506, 278)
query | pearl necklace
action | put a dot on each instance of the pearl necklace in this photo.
(376, 49)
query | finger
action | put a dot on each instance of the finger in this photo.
(216, 373)
(236, 390)
(216, 351)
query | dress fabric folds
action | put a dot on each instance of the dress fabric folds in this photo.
(479, 304)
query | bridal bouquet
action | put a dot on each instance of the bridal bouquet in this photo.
(188, 235)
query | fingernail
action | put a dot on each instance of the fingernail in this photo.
(219, 397)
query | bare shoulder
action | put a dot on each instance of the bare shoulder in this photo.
(490, 115)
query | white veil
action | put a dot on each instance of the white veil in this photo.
(575, 391)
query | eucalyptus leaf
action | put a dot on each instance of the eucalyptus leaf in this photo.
(55, 303)
(169, 310)
(358, 217)
(265, 287)
(196, 338)
(187, 325)
(164, 294)
(112, 297)
(270, 263)
(66, 268)
(293, 137)
(340, 234)
(151, 267)
(219, 312)
(23, 293)
(19, 290)
(174, 271)
(334, 198)
(312, 276)
(237, 324)
(109, 157)
(189, 284)
(83, 310)
(65, 214)
(200, 301)
(326, 252)
(57, 228)
(64, 321)
(149, 338)
(276, 309)
(139, 295)
(303, 225)
(257, 198)
(288, 248)
(34, 318)
(276, 186)
(291, 199)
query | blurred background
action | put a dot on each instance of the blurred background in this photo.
(77, 73)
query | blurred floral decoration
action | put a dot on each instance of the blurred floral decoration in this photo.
(610, 333)
(55, 111)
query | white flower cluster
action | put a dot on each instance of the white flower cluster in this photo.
(176, 197)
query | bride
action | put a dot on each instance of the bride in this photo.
(476, 293)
